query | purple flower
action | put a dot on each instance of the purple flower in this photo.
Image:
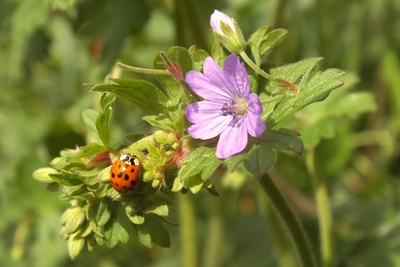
(229, 109)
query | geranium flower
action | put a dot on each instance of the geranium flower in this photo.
(229, 109)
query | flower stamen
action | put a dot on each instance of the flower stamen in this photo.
(235, 108)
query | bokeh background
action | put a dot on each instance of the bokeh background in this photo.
(50, 48)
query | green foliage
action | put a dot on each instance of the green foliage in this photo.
(95, 217)
(98, 215)
(263, 40)
(310, 86)
(142, 93)
(50, 48)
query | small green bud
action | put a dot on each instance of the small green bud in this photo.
(161, 137)
(148, 176)
(227, 32)
(156, 183)
(172, 138)
(74, 221)
(42, 174)
(75, 245)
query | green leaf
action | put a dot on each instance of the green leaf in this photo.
(312, 87)
(318, 121)
(66, 178)
(136, 218)
(234, 161)
(133, 203)
(259, 159)
(106, 101)
(213, 191)
(118, 228)
(144, 235)
(76, 190)
(103, 121)
(142, 93)
(89, 118)
(104, 175)
(161, 121)
(265, 39)
(103, 213)
(293, 72)
(201, 161)
(159, 210)
(218, 52)
(83, 151)
(194, 183)
(153, 231)
(198, 56)
(159, 205)
(282, 139)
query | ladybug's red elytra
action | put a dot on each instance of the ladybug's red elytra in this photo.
(125, 173)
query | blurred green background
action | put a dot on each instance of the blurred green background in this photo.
(50, 48)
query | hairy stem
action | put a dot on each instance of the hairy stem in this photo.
(255, 67)
(292, 224)
(285, 256)
(143, 70)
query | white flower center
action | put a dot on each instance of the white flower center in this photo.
(235, 108)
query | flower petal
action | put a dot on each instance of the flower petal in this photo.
(214, 72)
(208, 129)
(254, 104)
(232, 141)
(236, 73)
(254, 125)
(217, 17)
(206, 88)
(202, 110)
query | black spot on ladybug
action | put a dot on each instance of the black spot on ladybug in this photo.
(126, 177)
(119, 174)
(113, 175)
(117, 184)
(132, 170)
(119, 166)
(133, 182)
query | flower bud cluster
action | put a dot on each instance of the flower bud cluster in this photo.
(155, 154)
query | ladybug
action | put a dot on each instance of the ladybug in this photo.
(125, 173)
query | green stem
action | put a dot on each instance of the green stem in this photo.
(285, 256)
(255, 67)
(295, 229)
(324, 211)
(143, 70)
(188, 231)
